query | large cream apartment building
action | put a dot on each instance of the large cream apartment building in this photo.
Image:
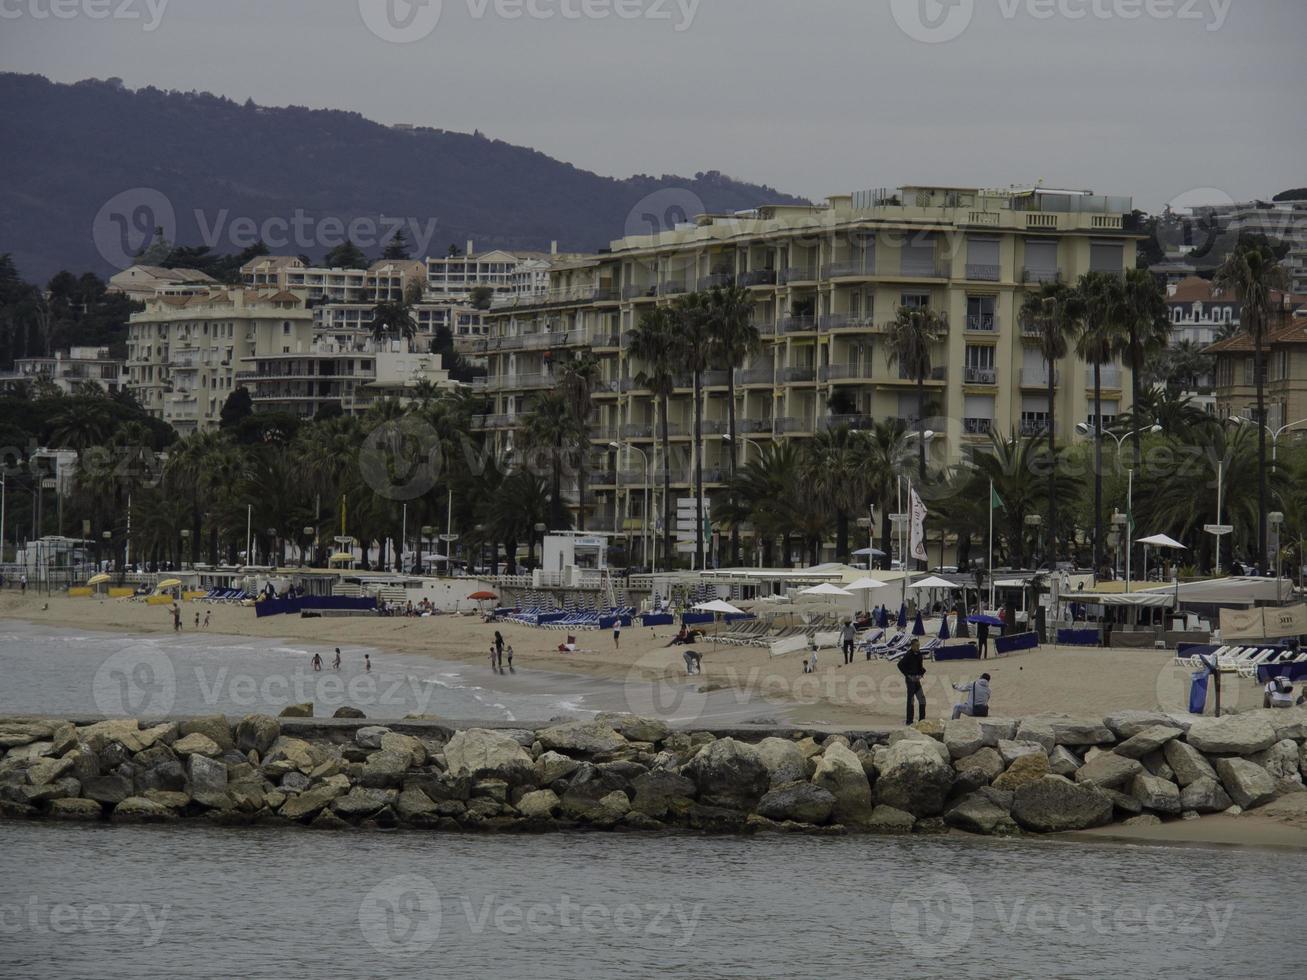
(825, 281)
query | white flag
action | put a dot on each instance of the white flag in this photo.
(917, 542)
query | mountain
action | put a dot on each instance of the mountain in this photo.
(90, 169)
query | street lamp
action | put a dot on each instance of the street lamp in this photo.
(1274, 433)
(186, 542)
(1034, 522)
(1276, 520)
(644, 524)
(272, 546)
(1085, 429)
(309, 533)
(540, 530)
(1121, 532)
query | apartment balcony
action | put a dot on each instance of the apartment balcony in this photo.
(718, 280)
(855, 422)
(984, 273)
(846, 321)
(644, 291)
(604, 340)
(485, 423)
(935, 270)
(798, 324)
(716, 378)
(851, 268)
(637, 431)
(1032, 428)
(672, 287)
(625, 385)
(798, 273)
(798, 375)
(755, 376)
(936, 374)
(754, 426)
(605, 294)
(860, 373)
(791, 426)
(977, 427)
(1110, 378)
(713, 427)
(1038, 377)
(982, 322)
(980, 376)
(1038, 277)
(756, 278)
(766, 328)
(523, 382)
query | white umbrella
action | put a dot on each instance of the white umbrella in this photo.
(1162, 541)
(934, 582)
(866, 585)
(718, 606)
(826, 589)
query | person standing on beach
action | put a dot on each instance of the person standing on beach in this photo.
(914, 671)
(197, 619)
(367, 663)
(176, 618)
(22, 583)
(510, 659)
(317, 662)
(335, 664)
(206, 618)
(982, 639)
(617, 633)
(847, 635)
(498, 654)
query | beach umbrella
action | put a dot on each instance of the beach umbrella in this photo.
(1162, 541)
(718, 608)
(826, 589)
(882, 621)
(483, 597)
(918, 628)
(903, 616)
(168, 583)
(985, 618)
(943, 629)
(98, 579)
(934, 582)
(865, 586)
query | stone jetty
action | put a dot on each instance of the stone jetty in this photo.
(616, 772)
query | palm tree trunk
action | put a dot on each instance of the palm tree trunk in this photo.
(1098, 467)
(698, 469)
(667, 486)
(582, 448)
(1052, 466)
(734, 457)
(886, 529)
(1260, 379)
(921, 427)
(1135, 368)
(556, 505)
(842, 535)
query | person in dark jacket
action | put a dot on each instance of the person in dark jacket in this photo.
(982, 639)
(914, 671)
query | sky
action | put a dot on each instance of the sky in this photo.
(1187, 101)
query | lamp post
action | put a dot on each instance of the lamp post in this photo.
(1274, 433)
(746, 443)
(540, 530)
(272, 547)
(1034, 522)
(644, 522)
(186, 546)
(309, 532)
(1121, 533)
(427, 532)
(1276, 520)
(1085, 429)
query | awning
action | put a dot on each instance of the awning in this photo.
(1140, 600)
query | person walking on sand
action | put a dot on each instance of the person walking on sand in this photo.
(617, 633)
(914, 671)
(976, 702)
(847, 636)
(22, 584)
(206, 618)
(197, 619)
(982, 639)
(317, 662)
(509, 653)
(367, 663)
(176, 618)
(335, 664)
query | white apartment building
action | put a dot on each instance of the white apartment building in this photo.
(825, 281)
(1284, 221)
(141, 282)
(66, 369)
(1200, 313)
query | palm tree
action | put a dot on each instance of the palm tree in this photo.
(886, 457)
(392, 318)
(1099, 299)
(911, 335)
(735, 338)
(551, 424)
(1147, 329)
(834, 471)
(579, 378)
(1252, 273)
(1052, 312)
(694, 349)
(653, 345)
(79, 425)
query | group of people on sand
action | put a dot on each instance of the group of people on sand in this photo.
(335, 664)
(913, 668)
(498, 649)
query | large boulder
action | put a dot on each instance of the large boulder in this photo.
(784, 760)
(415, 808)
(1248, 784)
(111, 788)
(370, 736)
(1079, 731)
(841, 772)
(214, 727)
(539, 805)
(1011, 751)
(1109, 770)
(732, 774)
(256, 733)
(976, 813)
(1205, 795)
(996, 729)
(636, 729)
(1155, 793)
(208, 780)
(553, 766)
(1063, 762)
(1127, 724)
(304, 710)
(1291, 723)
(889, 820)
(292, 753)
(1232, 734)
(75, 810)
(914, 780)
(308, 804)
(1038, 731)
(481, 753)
(986, 760)
(49, 769)
(1280, 760)
(405, 745)
(197, 743)
(963, 737)
(385, 769)
(1147, 741)
(1054, 804)
(362, 802)
(1188, 764)
(137, 809)
(801, 802)
(655, 791)
(1026, 769)
(582, 738)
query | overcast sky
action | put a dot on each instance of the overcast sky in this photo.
(1151, 98)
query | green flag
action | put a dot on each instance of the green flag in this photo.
(995, 501)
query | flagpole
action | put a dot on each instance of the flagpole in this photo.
(1129, 527)
(991, 544)
(903, 544)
